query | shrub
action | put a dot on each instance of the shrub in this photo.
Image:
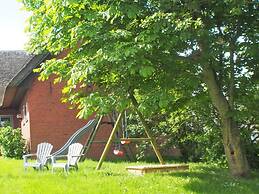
(11, 142)
(198, 142)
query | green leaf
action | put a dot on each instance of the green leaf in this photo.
(146, 71)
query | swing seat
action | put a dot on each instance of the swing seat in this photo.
(118, 153)
(125, 142)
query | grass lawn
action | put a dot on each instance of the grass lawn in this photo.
(113, 179)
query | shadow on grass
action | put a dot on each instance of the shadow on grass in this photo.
(216, 180)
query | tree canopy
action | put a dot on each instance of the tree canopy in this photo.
(168, 54)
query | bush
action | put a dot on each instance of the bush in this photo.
(11, 142)
(197, 134)
(198, 142)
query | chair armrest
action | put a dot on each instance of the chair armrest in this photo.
(59, 156)
(77, 155)
(25, 157)
(28, 155)
(53, 158)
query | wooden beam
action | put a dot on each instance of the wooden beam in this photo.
(147, 129)
(134, 139)
(109, 142)
(122, 139)
(100, 141)
(90, 139)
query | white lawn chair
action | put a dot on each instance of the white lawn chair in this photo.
(73, 156)
(42, 156)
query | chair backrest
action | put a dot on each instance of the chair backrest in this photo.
(74, 149)
(43, 150)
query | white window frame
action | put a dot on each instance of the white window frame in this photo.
(7, 116)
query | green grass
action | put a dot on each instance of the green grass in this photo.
(114, 179)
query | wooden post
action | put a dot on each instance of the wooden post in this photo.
(91, 137)
(147, 130)
(109, 142)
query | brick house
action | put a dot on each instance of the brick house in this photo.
(35, 106)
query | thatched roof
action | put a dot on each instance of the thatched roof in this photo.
(11, 62)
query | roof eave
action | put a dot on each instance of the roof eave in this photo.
(13, 85)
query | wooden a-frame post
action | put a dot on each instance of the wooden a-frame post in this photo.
(109, 142)
(90, 139)
(147, 130)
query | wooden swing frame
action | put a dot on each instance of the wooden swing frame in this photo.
(137, 170)
(116, 128)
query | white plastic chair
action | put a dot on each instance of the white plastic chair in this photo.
(42, 156)
(73, 156)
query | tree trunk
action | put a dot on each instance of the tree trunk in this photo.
(236, 157)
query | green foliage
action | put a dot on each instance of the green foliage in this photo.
(199, 143)
(150, 48)
(197, 135)
(251, 145)
(196, 141)
(157, 50)
(11, 142)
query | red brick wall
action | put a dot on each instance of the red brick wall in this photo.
(51, 121)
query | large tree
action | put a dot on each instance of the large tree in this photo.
(164, 53)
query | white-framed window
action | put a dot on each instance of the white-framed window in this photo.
(6, 119)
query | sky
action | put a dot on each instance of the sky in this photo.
(12, 25)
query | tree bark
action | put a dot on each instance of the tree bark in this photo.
(236, 157)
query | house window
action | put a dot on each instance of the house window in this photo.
(6, 119)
